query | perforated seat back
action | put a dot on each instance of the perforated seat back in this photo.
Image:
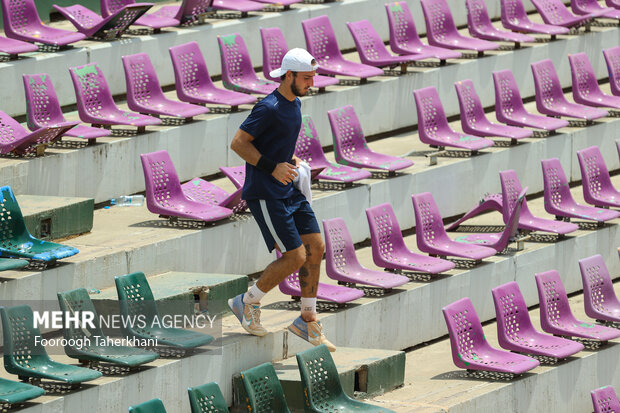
(319, 378)
(42, 105)
(207, 398)
(162, 182)
(308, 147)
(321, 40)
(401, 25)
(612, 58)
(274, 49)
(264, 390)
(594, 174)
(135, 298)
(605, 400)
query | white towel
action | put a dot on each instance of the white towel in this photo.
(303, 181)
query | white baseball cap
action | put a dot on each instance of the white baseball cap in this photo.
(295, 60)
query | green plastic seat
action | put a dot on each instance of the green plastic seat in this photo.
(263, 389)
(207, 398)
(28, 359)
(152, 406)
(136, 300)
(16, 241)
(15, 392)
(12, 264)
(78, 301)
(321, 384)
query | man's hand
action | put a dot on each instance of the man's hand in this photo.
(284, 173)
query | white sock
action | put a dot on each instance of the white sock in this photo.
(308, 305)
(253, 296)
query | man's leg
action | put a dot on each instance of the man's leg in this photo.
(309, 274)
(281, 268)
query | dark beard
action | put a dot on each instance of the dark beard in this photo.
(296, 91)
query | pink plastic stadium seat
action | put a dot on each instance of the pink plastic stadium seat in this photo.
(613, 3)
(21, 21)
(341, 263)
(490, 202)
(592, 7)
(605, 400)
(515, 18)
(205, 192)
(350, 146)
(335, 293)
(585, 85)
(474, 120)
(515, 331)
(308, 148)
(371, 49)
(388, 246)
(193, 83)
(14, 47)
(237, 71)
(274, 49)
(480, 26)
(15, 138)
(433, 127)
(404, 38)
(95, 103)
(243, 6)
(556, 316)
(43, 109)
(91, 24)
(431, 236)
(442, 31)
(560, 202)
(167, 16)
(596, 182)
(322, 44)
(556, 13)
(550, 98)
(612, 58)
(144, 93)
(600, 300)
(236, 174)
(471, 351)
(164, 195)
(285, 3)
(509, 106)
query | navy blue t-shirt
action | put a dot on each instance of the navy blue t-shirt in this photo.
(274, 123)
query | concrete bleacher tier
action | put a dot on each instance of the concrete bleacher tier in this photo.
(125, 240)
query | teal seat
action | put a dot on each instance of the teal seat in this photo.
(152, 406)
(263, 389)
(321, 384)
(96, 350)
(16, 241)
(207, 398)
(136, 300)
(7, 264)
(27, 358)
(14, 392)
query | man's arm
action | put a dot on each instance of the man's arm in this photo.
(242, 145)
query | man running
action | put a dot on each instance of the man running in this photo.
(266, 141)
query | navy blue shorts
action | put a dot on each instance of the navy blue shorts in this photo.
(282, 221)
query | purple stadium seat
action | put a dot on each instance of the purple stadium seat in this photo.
(499, 241)
(600, 300)
(21, 21)
(612, 58)
(193, 83)
(605, 400)
(431, 236)
(274, 49)
(285, 3)
(441, 30)
(322, 44)
(404, 38)
(556, 13)
(237, 71)
(515, 331)
(43, 109)
(15, 138)
(341, 263)
(91, 24)
(595, 180)
(556, 316)
(480, 26)
(350, 146)
(515, 18)
(471, 351)
(144, 93)
(205, 192)
(236, 174)
(474, 120)
(164, 195)
(585, 86)
(243, 6)
(433, 127)
(371, 49)
(509, 107)
(560, 202)
(490, 202)
(14, 47)
(550, 99)
(613, 3)
(388, 246)
(335, 293)
(95, 103)
(592, 8)
(167, 16)
(308, 148)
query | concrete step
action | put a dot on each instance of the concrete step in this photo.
(362, 371)
(54, 217)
